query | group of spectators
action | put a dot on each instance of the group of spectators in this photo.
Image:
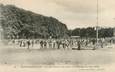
(60, 43)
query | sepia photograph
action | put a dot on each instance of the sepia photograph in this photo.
(58, 33)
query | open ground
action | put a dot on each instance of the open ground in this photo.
(55, 57)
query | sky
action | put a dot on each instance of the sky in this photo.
(73, 13)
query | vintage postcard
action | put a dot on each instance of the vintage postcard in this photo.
(57, 35)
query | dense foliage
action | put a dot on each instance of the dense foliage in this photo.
(19, 23)
(90, 32)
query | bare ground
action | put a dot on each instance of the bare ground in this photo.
(54, 57)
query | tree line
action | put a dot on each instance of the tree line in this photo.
(90, 32)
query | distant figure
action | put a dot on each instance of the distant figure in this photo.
(45, 44)
(32, 42)
(93, 41)
(41, 43)
(94, 44)
(28, 44)
(21, 43)
(50, 43)
(58, 44)
(79, 45)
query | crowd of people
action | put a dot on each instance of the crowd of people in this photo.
(60, 43)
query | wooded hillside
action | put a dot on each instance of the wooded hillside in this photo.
(20, 23)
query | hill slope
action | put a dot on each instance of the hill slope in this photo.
(19, 23)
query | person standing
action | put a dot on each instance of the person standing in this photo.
(79, 45)
(28, 44)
